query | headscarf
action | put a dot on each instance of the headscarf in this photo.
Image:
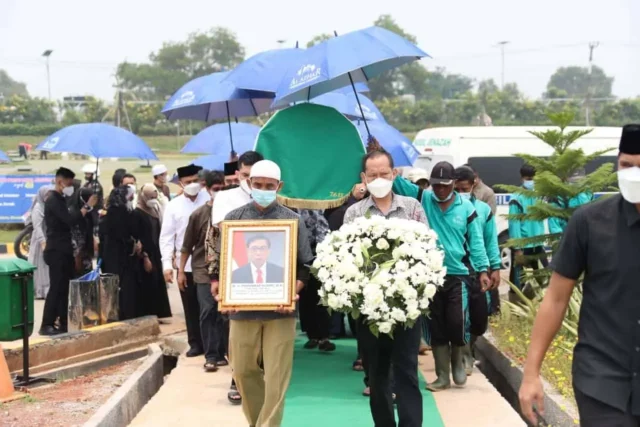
(118, 196)
(42, 193)
(148, 192)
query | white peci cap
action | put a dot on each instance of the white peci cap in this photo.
(265, 169)
(90, 168)
(158, 170)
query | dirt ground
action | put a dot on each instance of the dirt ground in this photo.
(67, 403)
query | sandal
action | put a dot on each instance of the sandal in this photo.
(366, 392)
(222, 362)
(210, 367)
(234, 396)
(311, 344)
(357, 365)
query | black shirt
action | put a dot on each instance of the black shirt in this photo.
(58, 221)
(602, 240)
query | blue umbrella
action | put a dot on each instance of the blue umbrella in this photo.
(210, 97)
(346, 102)
(215, 139)
(393, 141)
(99, 140)
(338, 62)
(212, 162)
(264, 71)
(4, 158)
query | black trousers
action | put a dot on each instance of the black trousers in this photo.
(191, 308)
(449, 313)
(515, 275)
(314, 318)
(494, 302)
(594, 413)
(56, 305)
(400, 355)
(211, 326)
(478, 308)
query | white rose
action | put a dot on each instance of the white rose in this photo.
(398, 315)
(382, 244)
(333, 302)
(384, 327)
(430, 291)
(402, 266)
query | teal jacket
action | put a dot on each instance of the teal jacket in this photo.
(489, 232)
(523, 229)
(557, 225)
(456, 228)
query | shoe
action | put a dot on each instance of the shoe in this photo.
(49, 331)
(468, 359)
(210, 366)
(222, 362)
(311, 344)
(194, 352)
(366, 392)
(326, 345)
(442, 358)
(458, 371)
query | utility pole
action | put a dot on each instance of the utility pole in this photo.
(592, 47)
(502, 44)
(47, 53)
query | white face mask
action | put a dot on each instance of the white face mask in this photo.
(629, 183)
(244, 184)
(131, 191)
(380, 187)
(192, 189)
(466, 196)
(153, 204)
(68, 191)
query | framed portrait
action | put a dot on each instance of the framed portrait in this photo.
(258, 265)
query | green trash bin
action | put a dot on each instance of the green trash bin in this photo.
(14, 274)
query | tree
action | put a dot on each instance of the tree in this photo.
(176, 63)
(10, 87)
(574, 81)
(318, 39)
(553, 188)
(18, 109)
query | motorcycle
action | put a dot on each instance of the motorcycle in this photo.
(23, 239)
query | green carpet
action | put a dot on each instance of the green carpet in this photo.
(325, 391)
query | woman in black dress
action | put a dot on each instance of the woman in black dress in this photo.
(120, 251)
(82, 234)
(146, 224)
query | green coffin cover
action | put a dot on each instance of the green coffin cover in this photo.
(319, 152)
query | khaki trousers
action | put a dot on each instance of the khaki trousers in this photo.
(270, 342)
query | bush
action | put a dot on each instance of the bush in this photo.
(8, 129)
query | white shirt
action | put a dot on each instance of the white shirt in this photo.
(174, 224)
(254, 272)
(226, 201)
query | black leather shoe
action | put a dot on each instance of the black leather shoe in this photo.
(48, 331)
(194, 352)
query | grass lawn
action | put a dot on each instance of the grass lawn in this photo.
(512, 335)
(8, 236)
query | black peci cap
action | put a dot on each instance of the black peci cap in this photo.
(443, 173)
(630, 139)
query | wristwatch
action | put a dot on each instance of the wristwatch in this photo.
(87, 208)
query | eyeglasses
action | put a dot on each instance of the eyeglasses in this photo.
(259, 248)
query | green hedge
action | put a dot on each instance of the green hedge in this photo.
(7, 129)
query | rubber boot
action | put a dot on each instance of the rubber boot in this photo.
(468, 360)
(457, 365)
(442, 357)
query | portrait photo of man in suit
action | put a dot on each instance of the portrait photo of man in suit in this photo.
(258, 269)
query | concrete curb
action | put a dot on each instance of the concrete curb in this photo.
(7, 249)
(506, 377)
(92, 343)
(128, 400)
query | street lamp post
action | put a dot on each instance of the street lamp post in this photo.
(47, 53)
(502, 44)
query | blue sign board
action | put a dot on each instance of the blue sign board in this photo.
(17, 193)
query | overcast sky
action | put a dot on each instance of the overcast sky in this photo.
(89, 37)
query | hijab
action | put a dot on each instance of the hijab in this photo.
(149, 192)
(42, 194)
(118, 196)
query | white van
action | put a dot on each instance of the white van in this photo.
(490, 151)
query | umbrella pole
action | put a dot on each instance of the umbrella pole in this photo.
(233, 152)
(355, 92)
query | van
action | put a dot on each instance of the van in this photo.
(491, 150)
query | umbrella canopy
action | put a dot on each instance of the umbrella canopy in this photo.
(393, 141)
(216, 140)
(303, 140)
(4, 158)
(345, 102)
(98, 140)
(264, 71)
(210, 97)
(212, 162)
(354, 57)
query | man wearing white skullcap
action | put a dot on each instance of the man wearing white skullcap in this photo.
(160, 181)
(270, 334)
